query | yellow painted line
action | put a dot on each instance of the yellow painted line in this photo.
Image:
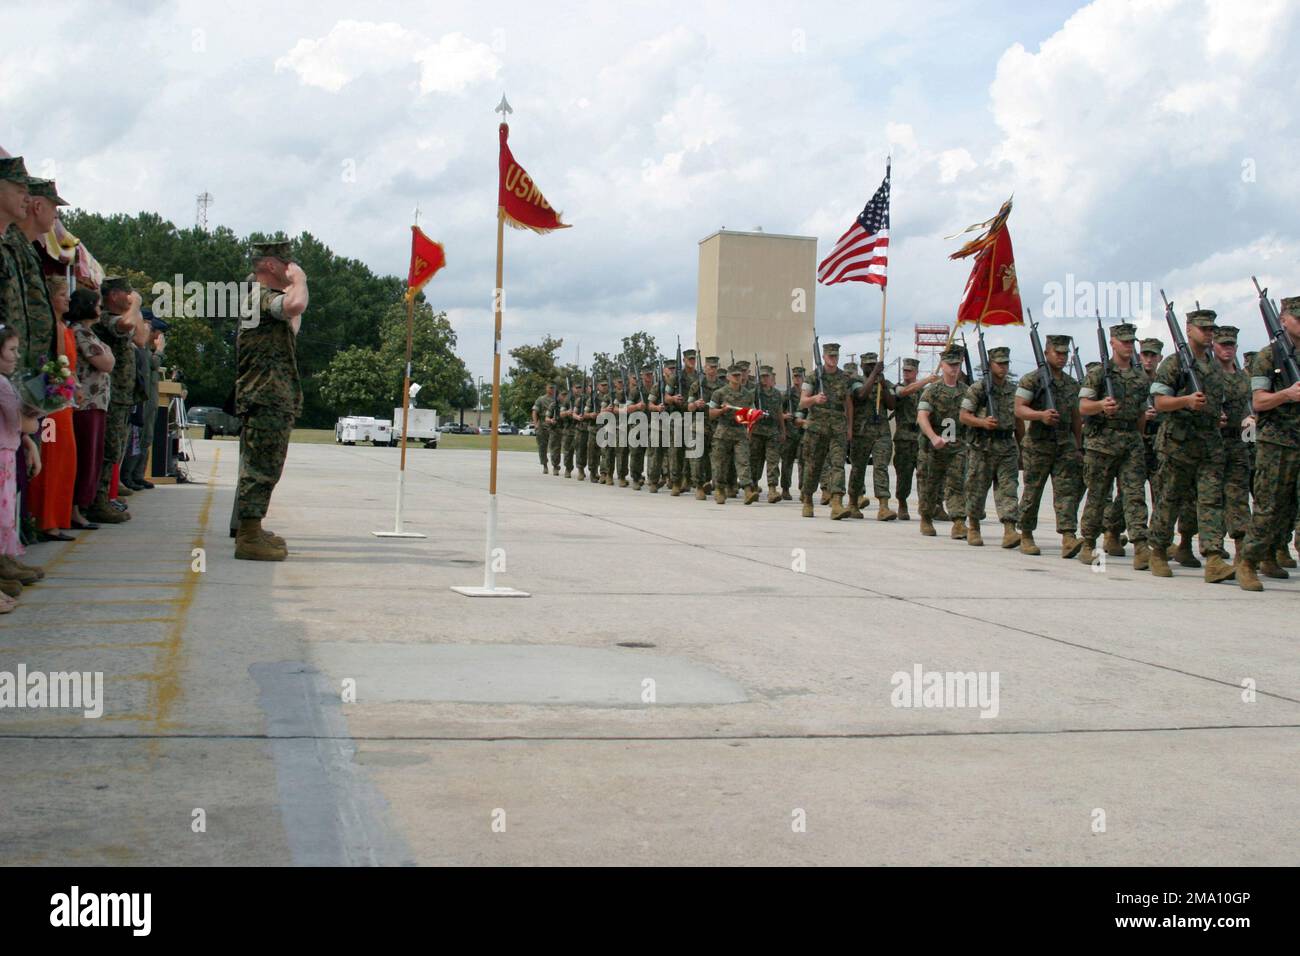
(114, 603)
(168, 688)
(126, 645)
(71, 624)
(44, 586)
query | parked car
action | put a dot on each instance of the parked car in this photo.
(215, 421)
(505, 428)
(528, 429)
(198, 415)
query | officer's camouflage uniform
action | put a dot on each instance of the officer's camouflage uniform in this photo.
(1192, 456)
(555, 444)
(872, 441)
(581, 430)
(906, 436)
(765, 441)
(1236, 458)
(268, 397)
(121, 398)
(994, 455)
(1277, 456)
(543, 407)
(1051, 452)
(1114, 451)
(702, 390)
(793, 434)
(939, 470)
(824, 444)
(637, 453)
(730, 439)
(36, 342)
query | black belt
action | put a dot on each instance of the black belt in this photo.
(1003, 433)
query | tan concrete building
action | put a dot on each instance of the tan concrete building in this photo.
(757, 293)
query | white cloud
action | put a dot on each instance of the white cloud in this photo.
(353, 48)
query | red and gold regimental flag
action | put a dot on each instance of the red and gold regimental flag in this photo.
(427, 257)
(519, 198)
(749, 417)
(992, 295)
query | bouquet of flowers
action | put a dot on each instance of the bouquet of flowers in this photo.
(51, 389)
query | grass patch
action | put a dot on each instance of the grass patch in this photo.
(325, 436)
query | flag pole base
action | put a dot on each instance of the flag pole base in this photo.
(398, 534)
(489, 586)
(480, 591)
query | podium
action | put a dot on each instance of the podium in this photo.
(169, 416)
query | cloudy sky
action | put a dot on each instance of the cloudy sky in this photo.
(1148, 141)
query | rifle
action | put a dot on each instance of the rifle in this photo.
(1076, 363)
(965, 357)
(1044, 371)
(568, 387)
(661, 383)
(677, 386)
(1106, 379)
(817, 359)
(1185, 360)
(1283, 350)
(758, 384)
(986, 372)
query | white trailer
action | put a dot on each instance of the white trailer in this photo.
(422, 425)
(354, 428)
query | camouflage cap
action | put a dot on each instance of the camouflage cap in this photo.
(688, 353)
(1249, 355)
(1292, 304)
(1058, 343)
(1000, 354)
(1092, 365)
(1124, 332)
(766, 370)
(278, 249)
(14, 170)
(869, 358)
(114, 284)
(1202, 318)
(1152, 346)
(798, 370)
(1225, 334)
(711, 360)
(911, 363)
(850, 367)
(670, 364)
(45, 189)
(953, 354)
(831, 348)
(735, 370)
(743, 365)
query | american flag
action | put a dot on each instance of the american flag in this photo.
(862, 253)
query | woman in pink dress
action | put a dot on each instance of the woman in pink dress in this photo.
(15, 426)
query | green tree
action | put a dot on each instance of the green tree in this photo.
(639, 350)
(532, 369)
(356, 383)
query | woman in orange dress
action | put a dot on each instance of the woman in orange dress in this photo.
(49, 496)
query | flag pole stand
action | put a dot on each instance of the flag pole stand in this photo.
(490, 588)
(397, 531)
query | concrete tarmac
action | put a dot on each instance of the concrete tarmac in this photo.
(688, 683)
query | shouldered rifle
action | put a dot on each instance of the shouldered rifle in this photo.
(1283, 351)
(1185, 360)
(986, 372)
(1044, 370)
(789, 381)
(758, 384)
(817, 363)
(661, 382)
(965, 358)
(677, 385)
(1107, 382)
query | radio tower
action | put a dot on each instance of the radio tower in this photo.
(201, 204)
